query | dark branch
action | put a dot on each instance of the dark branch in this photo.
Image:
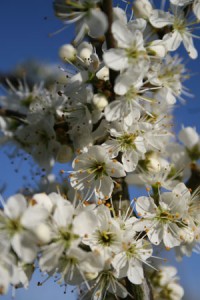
(194, 181)
(9, 113)
(107, 8)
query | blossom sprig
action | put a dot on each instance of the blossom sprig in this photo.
(93, 172)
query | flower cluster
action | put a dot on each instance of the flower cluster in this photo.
(165, 283)
(110, 113)
(78, 243)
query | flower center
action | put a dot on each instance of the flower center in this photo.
(179, 25)
(165, 216)
(14, 226)
(99, 169)
(106, 238)
(127, 141)
(67, 236)
(132, 53)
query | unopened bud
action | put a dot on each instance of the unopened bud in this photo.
(142, 8)
(189, 137)
(91, 275)
(43, 233)
(158, 48)
(155, 163)
(67, 52)
(100, 101)
(103, 74)
(84, 51)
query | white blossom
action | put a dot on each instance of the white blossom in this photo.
(67, 52)
(17, 227)
(129, 261)
(180, 32)
(129, 141)
(165, 221)
(93, 172)
(130, 52)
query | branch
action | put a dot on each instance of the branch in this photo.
(137, 292)
(194, 180)
(107, 8)
(9, 113)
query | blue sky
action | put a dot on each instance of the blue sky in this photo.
(24, 30)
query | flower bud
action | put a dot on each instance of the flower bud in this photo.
(158, 48)
(91, 275)
(103, 74)
(43, 233)
(67, 52)
(189, 137)
(100, 101)
(155, 163)
(84, 51)
(142, 8)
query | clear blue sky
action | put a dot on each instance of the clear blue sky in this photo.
(24, 31)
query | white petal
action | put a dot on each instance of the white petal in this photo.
(121, 34)
(180, 2)
(196, 8)
(49, 259)
(125, 81)
(116, 59)
(33, 216)
(158, 48)
(97, 23)
(130, 160)
(160, 18)
(112, 148)
(139, 143)
(84, 223)
(106, 187)
(171, 236)
(189, 46)
(57, 199)
(137, 24)
(181, 190)
(4, 280)
(172, 40)
(15, 206)
(119, 261)
(25, 246)
(145, 206)
(119, 14)
(115, 169)
(142, 225)
(146, 250)
(63, 215)
(142, 8)
(189, 137)
(155, 234)
(135, 272)
(43, 200)
(113, 111)
(43, 233)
